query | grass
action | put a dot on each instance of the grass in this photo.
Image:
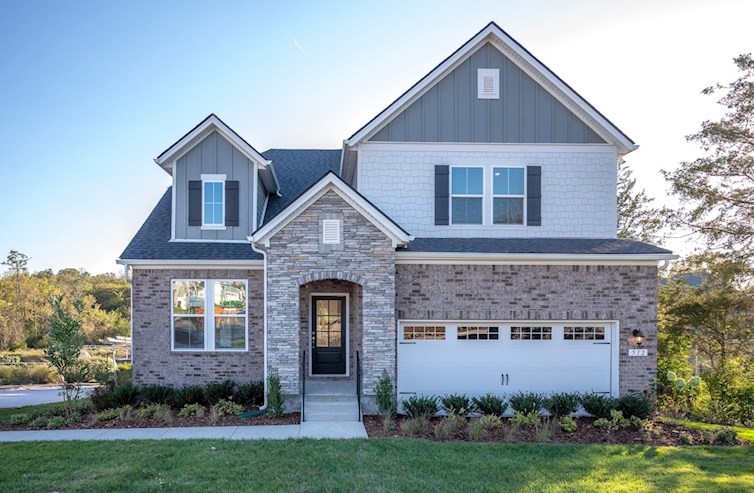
(376, 465)
(742, 432)
(5, 414)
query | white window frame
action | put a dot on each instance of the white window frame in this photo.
(214, 179)
(506, 196)
(209, 317)
(467, 196)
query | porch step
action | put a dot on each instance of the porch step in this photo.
(331, 408)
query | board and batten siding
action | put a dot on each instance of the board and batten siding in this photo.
(214, 155)
(450, 111)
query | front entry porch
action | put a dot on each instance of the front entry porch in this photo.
(330, 400)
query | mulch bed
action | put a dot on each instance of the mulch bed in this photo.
(89, 422)
(665, 434)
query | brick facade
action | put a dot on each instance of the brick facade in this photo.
(153, 359)
(540, 292)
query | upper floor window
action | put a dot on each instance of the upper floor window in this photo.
(508, 195)
(467, 195)
(213, 201)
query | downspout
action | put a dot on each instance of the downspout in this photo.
(264, 322)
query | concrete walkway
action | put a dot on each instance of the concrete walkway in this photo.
(317, 430)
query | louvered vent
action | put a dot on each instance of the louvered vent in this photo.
(331, 231)
(488, 84)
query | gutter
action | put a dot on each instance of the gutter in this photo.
(264, 323)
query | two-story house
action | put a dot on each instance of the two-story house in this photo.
(463, 240)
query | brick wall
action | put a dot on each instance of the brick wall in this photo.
(153, 360)
(533, 292)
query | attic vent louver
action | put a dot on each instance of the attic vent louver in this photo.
(330, 231)
(488, 83)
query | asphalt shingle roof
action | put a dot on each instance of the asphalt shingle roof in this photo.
(585, 246)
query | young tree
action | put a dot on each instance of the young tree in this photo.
(64, 351)
(17, 262)
(637, 219)
(717, 190)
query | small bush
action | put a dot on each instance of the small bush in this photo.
(567, 424)
(385, 396)
(478, 427)
(616, 421)
(449, 426)
(108, 415)
(414, 427)
(562, 404)
(527, 402)
(55, 422)
(274, 397)
(155, 394)
(38, 422)
(687, 440)
(598, 405)
(190, 394)
(635, 405)
(75, 417)
(192, 410)
(227, 408)
(217, 391)
(125, 412)
(100, 398)
(20, 419)
(420, 406)
(457, 404)
(725, 436)
(150, 411)
(489, 405)
(546, 430)
(124, 395)
(249, 394)
(532, 419)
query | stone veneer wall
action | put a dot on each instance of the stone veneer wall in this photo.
(540, 292)
(155, 362)
(296, 256)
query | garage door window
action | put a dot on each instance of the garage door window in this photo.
(424, 333)
(584, 333)
(478, 333)
(530, 333)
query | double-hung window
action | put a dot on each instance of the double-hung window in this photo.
(467, 195)
(508, 195)
(209, 315)
(213, 201)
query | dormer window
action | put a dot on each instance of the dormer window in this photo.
(213, 201)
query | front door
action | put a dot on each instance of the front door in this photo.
(329, 319)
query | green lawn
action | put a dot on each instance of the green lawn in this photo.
(377, 465)
(742, 432)
(5, 414)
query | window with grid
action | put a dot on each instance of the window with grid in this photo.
(531, 333)
(508, 195)
(434, 333)
(468, 333)
(466, 195)
(577, 333)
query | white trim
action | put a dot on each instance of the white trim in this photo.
(214, 179)
(334, 183)
(331, 232)
(255, 187)
(264, 209)
(520, 57)
(192, 264)
(210, 124)
(194, 240)
(174, 201)
(209, 317)
(464, 258)
(348, 335)
(481, 147)
(467, 196)
(485, 73)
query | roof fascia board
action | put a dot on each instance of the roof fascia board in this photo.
(542, 258)
(484, 146)
(208, 264)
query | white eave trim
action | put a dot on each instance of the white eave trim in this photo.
(193, 264)
(493, 33)
(403, 257)
(209, 124)
(331, 182)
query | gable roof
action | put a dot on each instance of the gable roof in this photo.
(331, 181)
(528, 63)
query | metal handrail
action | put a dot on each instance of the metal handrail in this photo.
(303, 385)
(358, 382)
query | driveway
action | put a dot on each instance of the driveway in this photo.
(30, 396)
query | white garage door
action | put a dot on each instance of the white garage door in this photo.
(475, 358)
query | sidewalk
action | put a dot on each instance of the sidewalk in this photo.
(316, 429)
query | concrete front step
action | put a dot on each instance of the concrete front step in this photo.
(334, 408)
(330, 398)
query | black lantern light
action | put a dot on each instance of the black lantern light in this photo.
(638, 337)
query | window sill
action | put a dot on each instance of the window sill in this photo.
(204, 351)
(213, 228)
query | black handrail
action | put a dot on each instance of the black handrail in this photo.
(303, 385)
(358, 382)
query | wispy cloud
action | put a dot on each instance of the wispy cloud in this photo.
(298, 45)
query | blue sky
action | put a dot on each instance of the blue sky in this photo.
(91, 92)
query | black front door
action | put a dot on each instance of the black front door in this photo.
(329, 320)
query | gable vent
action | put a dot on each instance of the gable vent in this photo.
(488, 83)
(330, 231)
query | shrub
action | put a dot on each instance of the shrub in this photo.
(124, 395)
(527, 402)
(567, 424)
(725, 436)
(385, 396)
(532, 418)
(598, 405)
(24, 375)
(449, 426)
(19, 419)
(478, 427)
(125, 412)
(151, 411)
(249, 394)
(190, 394)
(420, 406)
(108, 415)
(546, 431)
(489, 405)
(562, 404)
(217, 391)
(38, 422)
(635, 405)
(100, 397)
(55, 422)
(615, 422)
(227, 408)
(75, 417)
(155, 394)
(192, 410)
(414, 426)
(458, 404)
(274, 397)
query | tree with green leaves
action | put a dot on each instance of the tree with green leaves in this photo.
(637, 218)
(717, 190)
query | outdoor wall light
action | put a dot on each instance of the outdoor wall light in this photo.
(638, 337)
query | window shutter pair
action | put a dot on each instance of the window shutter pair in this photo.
(195, 203)
(533, 195)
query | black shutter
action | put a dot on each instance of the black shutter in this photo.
(534, 195)
(442, 195)
(195, 203)
(231, 203)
